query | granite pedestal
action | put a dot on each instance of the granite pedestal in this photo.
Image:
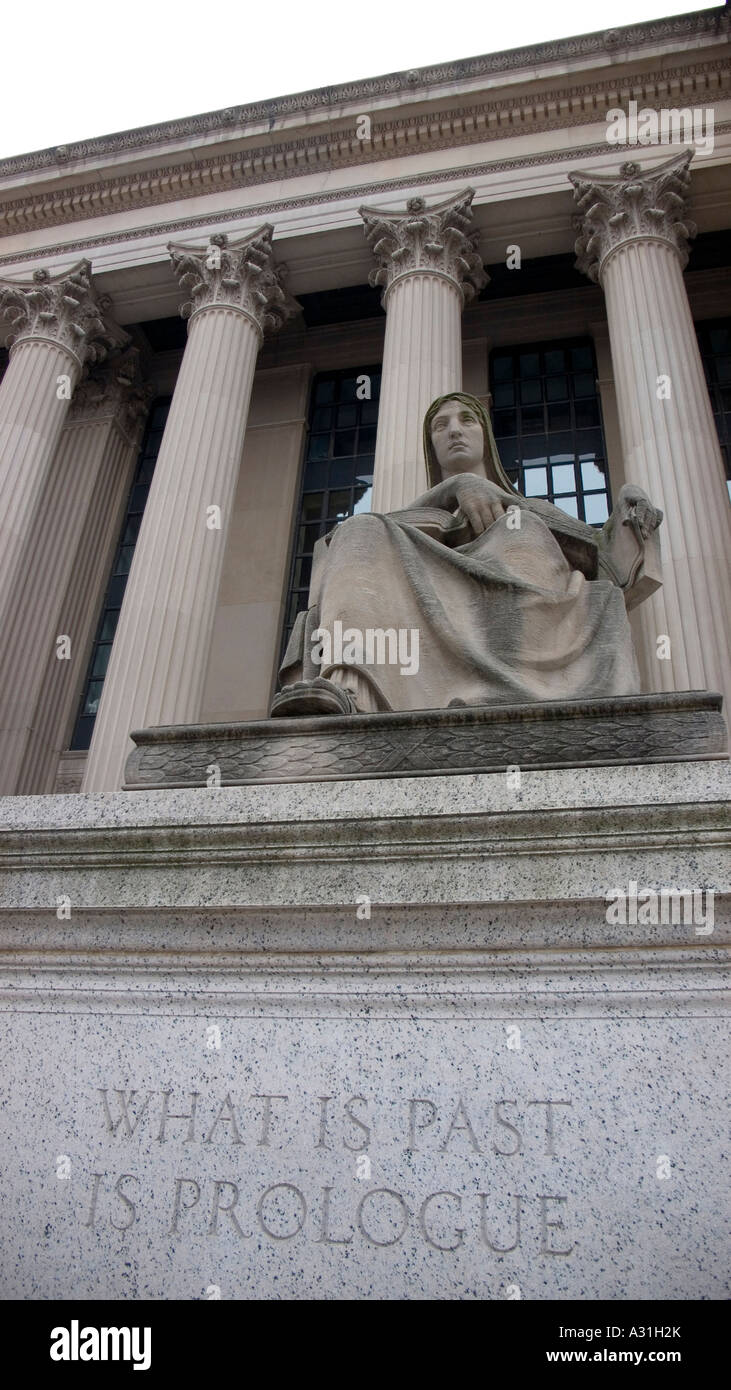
(367, 1039)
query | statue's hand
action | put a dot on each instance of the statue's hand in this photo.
(635, 509)
(481, 501)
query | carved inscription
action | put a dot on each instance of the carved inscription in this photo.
(505, 1210)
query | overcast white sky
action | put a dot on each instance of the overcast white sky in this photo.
(82, 68)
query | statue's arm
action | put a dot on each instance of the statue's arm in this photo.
(629, 545)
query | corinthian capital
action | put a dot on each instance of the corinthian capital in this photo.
(235, 275)
(440, 240)
(632, 206)
(115, 391)
(63, 309)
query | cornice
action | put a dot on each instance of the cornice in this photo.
(605, 43)
(205, 221)
(472, 123)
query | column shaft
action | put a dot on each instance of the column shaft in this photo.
(31, 419)
(422, 360)
(92, 475)
(160, 652)
(671, 450)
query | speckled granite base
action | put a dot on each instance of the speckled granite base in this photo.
(371, 1040)
(426, 743)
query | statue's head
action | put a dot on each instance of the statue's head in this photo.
(458, 438)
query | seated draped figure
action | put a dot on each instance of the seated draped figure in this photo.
(472, 595)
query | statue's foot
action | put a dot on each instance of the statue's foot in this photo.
(319, 696)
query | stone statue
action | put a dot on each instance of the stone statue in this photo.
(473, 595)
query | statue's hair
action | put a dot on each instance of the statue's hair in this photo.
(493, 466)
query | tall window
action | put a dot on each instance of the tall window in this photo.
(548, 425)
(102, 648)
(714, 338)
(337, 477)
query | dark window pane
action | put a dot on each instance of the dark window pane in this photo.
(555, 360)
(530, 364)
(324, 391)
(502, 368)
(339, 504)
(503, 396)
(316, 475)
(342, 474)
(322, 419)
(559, 416)
(589, 444)
(369, 413)
(367, 439)
(720, 340)
(346, 416)
(124, 559)
(557, 388)
(109, 625)
(344, 444)
(508, 451)
(587, 413)
(530, 392)
(505, 422)
(115, 592)
(582, 358)
(312, 506)
(534, 449)
(138, 498)
(302, 572)
(101, 660)
(132, 530)
(532, 419)
(319, 446)
(584, 384)
(723, 369)
(93, 696)
(348, 388)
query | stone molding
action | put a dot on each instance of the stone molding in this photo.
(239, 276)
(62, 309)
(117, 392)
(260, 164)
(439, 240)
(609, 42)
(557, 157)
(427, 743)
(638, 205)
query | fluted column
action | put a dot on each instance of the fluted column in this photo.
(160, 653)
(429, 268)
(66, 567)
(634, 243)
(60, 326)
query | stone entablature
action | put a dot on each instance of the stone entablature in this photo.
(253, 163)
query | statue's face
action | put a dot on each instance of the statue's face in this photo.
(457, 438)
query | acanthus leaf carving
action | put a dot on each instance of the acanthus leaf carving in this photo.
(240, 275)
(632, 206)
(64, 309)
(440, 239)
